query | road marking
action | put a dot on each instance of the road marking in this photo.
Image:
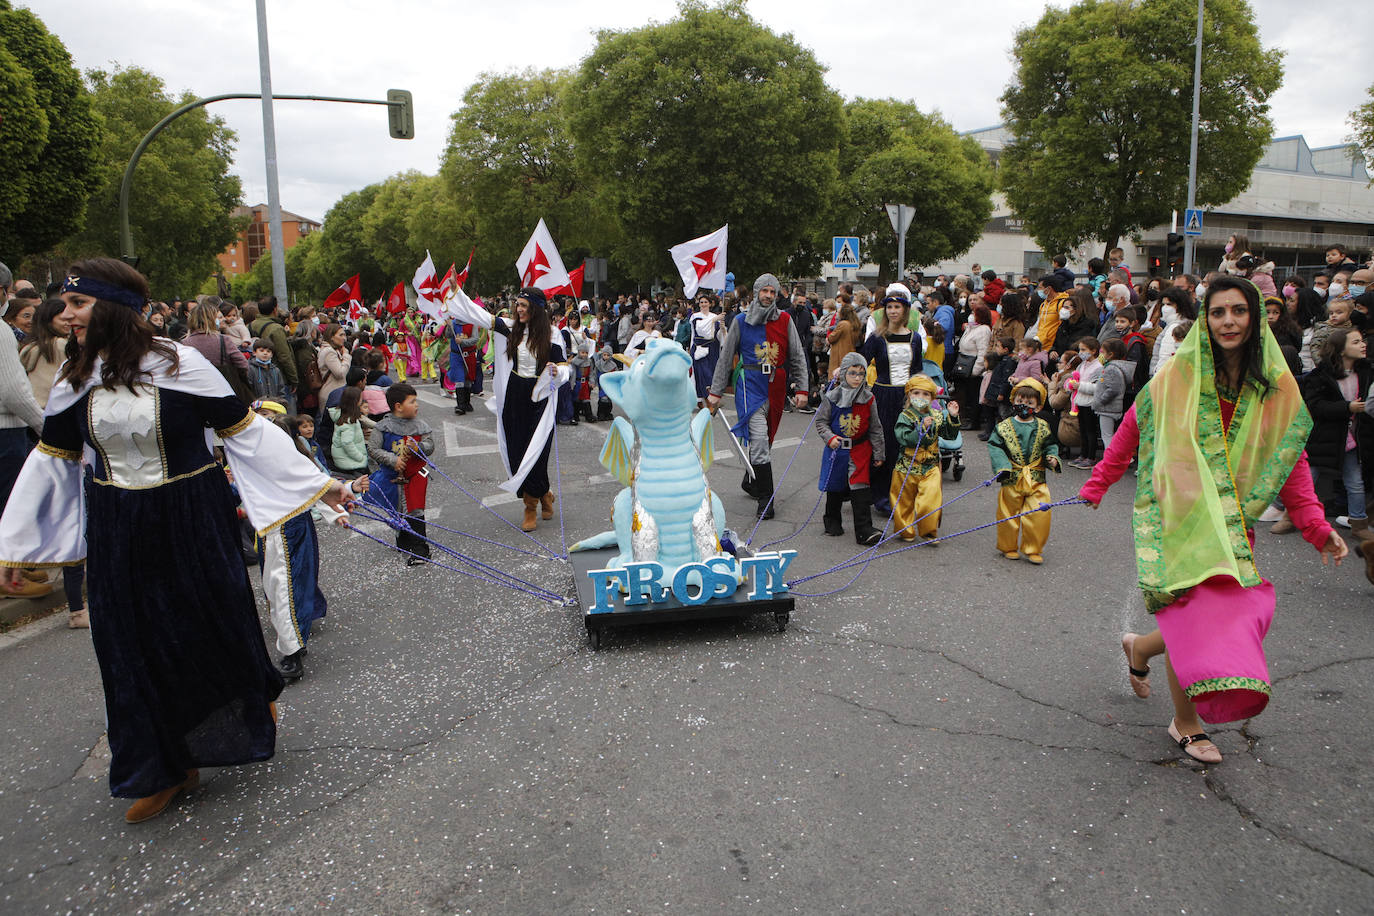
(472, 449)
(500, 499)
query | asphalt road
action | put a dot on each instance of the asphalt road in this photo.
(951, 733)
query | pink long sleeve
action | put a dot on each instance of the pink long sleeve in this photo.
(1304, 509)
(1114, 461)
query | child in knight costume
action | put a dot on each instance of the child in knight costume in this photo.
(1022, 447)
(917, 487)
(848, 425)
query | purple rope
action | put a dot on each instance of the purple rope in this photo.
(505, 521)
(541, 594)
(778, 486)
(558, 468)
(1072, 500)
(809, 517)
(401, 523)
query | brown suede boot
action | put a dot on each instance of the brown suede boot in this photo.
(150, 807)
(531, 520)
(547, 502)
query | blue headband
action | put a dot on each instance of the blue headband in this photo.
(87, 286)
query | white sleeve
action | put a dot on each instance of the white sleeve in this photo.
(275, 481)
(466, 311)
(44, 520)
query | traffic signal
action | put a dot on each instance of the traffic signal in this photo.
(1154, 267)
(400, 113)
(1174, 248)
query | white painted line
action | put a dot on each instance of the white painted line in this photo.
(429, 397)
(500, 499)
(474, 450)
(601, 478)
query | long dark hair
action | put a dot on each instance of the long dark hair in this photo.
(41, 336)
(350, 405)
(1252, 352)
(1332, 353)
(117, 332)
(538, 329)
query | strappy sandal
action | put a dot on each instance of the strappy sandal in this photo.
(1140, 677)
(1188, 744)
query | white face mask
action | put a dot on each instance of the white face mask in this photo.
(1167, 314)
(1064, 314)
(1335, 290)
(963, 300)
(1201, 291)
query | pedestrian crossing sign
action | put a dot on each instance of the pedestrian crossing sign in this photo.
(844, 251)
(1192, 222)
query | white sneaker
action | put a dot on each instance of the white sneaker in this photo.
(1272, 514)
(1343, 521)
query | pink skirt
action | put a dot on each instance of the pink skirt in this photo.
(1215, 638)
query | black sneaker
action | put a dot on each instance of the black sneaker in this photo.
(416, 561)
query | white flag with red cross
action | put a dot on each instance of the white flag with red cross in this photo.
(539, 265)
(702, 261)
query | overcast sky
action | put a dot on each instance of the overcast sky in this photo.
(950, 57)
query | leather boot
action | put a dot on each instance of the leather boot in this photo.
(861, 504)
(763, 489)
(153, 805)
(603, 411)
(546, 501)
(462, 400)
(749, 485)
(834, 526)
(531, 520)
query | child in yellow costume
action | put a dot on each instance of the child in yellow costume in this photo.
(1022, 448)
(916, 489)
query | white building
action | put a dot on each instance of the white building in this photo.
(1300, 201)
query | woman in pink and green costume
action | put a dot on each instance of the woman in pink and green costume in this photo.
(1220, 431)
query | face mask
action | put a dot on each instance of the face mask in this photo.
(1168, 313)
(1335, 291)
(1024, 411)
(1201, 291)
(920, 403)
(1229, 246)
(1289, 290)
(1064, 314)
(939, 283)
(963, 301)
(1151, 295)
(1357, 289)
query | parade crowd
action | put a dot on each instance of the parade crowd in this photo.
(310, 409)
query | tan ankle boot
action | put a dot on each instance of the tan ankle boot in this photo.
(153, 805)
(547, 502)
(531, 520)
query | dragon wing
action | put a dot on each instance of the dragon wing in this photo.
(704, 436)
(616, 454)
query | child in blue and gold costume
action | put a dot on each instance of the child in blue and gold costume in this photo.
(1022, 447)
(848, 424)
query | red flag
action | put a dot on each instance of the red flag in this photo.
(396, 302)
(463, 277)
(574, 285)
(355, 311)
(348, 291)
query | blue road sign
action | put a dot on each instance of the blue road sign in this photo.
(844, 251)
(1192, 222)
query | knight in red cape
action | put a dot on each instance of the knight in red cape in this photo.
(762, 351)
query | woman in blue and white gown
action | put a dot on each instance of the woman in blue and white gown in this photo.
(187, 678)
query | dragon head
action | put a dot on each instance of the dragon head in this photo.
(658, 381)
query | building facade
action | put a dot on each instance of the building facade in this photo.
(256, 238)
(1300, 201)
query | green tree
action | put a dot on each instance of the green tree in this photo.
(1362, 128)
(1099, 110)
(183, 196)
(49, 145)
(707, 119)
(341, 252)
(509, 162)
(895, 154)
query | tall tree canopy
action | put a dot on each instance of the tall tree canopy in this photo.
(49, 145)
(509, 162)
(183, 196)
(1362, 127)
(895, 154)
(707, 119)
(1099, 110)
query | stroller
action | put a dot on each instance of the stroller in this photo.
(951, 450)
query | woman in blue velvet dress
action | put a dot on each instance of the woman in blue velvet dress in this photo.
(187, 678)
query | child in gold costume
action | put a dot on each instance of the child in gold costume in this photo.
(1022, 447)
(916, 490)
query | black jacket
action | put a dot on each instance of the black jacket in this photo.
(1331, 419)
